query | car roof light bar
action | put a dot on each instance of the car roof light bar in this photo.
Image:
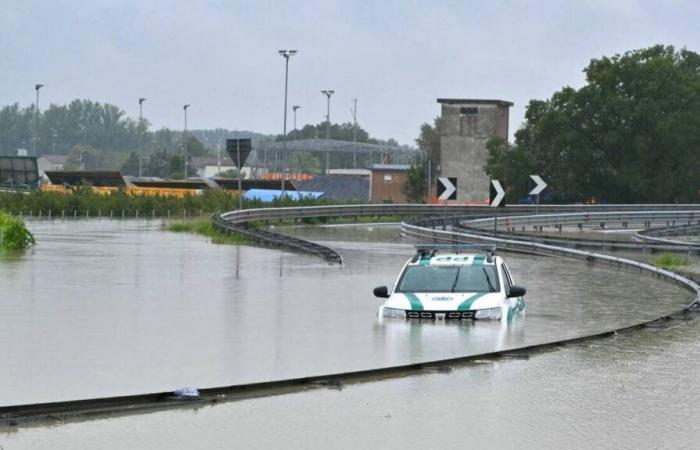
(486, 247)
(432, 249)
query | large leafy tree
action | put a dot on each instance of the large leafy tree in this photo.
(630, 134)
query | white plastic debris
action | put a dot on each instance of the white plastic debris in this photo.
(186, 392)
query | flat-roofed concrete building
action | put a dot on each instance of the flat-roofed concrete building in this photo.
(467, 124)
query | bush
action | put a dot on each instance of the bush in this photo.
(14, 234)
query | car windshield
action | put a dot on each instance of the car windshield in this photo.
(449, 279)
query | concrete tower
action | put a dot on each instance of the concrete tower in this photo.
(467, 125)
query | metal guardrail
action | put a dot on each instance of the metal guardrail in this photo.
(601, 244)
(595, 218)
(278, 240)
(656, 234)
(235, 221)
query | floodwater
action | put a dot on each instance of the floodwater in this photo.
(633, 391)
(105, 308)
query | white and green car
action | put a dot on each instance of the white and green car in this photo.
(470, 282)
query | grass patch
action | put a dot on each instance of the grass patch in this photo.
(204, 227)
(668, 261)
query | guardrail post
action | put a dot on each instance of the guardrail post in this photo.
(75, 214)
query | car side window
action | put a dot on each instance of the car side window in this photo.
(507, 279)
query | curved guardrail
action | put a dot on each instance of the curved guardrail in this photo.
(238, 221)
(625, 219)
(590, 219)
(656, 234)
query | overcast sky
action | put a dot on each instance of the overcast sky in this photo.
(396, 57)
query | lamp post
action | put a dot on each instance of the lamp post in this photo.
(354, 133)
(286, 54)
(141, 100)
(37, 87)
(294, 108)
(184, 142)
(328, 94)
(294, 137)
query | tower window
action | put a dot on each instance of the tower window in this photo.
(469, 110)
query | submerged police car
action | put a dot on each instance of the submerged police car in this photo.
(470, 282)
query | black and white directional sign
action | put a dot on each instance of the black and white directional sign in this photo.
(447, 188)
(540, 185)
(496, 194)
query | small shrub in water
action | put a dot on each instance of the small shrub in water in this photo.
(14, 234)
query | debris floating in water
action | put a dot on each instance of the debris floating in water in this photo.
(186, 392)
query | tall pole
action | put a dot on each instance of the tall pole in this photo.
(354, 133)
(295, 165)
(286, 54)
(141, 100)
(294, 108)
(328, 94)
(240, 173)
(37, 87)
(184, 142)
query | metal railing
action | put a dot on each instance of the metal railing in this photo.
(236, 221)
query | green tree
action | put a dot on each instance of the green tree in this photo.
(131, 165)
(511, 166)
(428, 141)
(195, 147)
(415, 188)
(629, 135)
(84, 157)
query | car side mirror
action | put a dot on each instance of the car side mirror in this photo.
(516, 291)
(381, 292)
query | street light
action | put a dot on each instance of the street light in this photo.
(286, 54)
(141, 100)
(184, 142)
(37, 87)
(328, 94)
(294, 108)
(295, 160)
(354, 133)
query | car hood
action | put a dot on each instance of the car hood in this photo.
(444, 301)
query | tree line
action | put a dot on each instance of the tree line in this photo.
(96, 135)
(631, 134)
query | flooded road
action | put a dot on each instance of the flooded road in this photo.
(634, 391)
(104, 308)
